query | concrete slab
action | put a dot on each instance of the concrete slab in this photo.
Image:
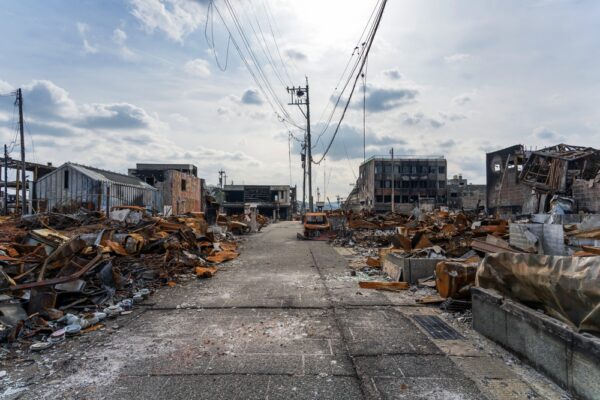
(426, 388)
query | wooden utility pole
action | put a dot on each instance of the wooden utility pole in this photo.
(23, 167)
(300, 96)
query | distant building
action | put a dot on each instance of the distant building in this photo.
(178, 184)
(463, 195)
(273, 201)
(418, 180)
(72, 186)
(523, 182)
(505, 192)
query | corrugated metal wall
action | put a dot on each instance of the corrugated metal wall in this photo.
(83, 191)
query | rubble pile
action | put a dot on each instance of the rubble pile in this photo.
(448, 243)
(448, 251)
(242, 223)
(62, 274)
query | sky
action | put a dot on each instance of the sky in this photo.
(116, 82)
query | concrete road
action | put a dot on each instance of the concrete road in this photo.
(284, 321)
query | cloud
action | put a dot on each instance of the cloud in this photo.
(197, 67)
(5, 87)
(383, 99)
(119, 37)
(175, 18)
(545, 134)
(462, 99)
(393, 74)
(83, 29)
(420, 119)
(452, 117)
(114, 116)
(251, 96)
(45, 100)
(457, 58)
(50, 106)
(349, 143)
(446, 144)
(296, 55)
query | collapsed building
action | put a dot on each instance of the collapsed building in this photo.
(526, 182)
(463, 195)
(276, 201)
(412, 180)
(72, 186)
(181, 189)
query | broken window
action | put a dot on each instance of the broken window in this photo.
(442, 170)
(150, 180)
(183, 185)
(442, 184)
(66, 179)
(387, 199)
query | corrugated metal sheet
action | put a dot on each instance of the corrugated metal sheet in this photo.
(73, 185)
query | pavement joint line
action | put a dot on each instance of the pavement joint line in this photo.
(407, 353)
(134, 375)
(335, 306)
(338, 324)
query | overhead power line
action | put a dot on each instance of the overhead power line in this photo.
(363, 59)
(252, 62)
(355, 52)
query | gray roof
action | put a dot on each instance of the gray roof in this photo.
(109, 176)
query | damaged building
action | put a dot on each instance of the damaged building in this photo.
(274, 201)
(180, 188)
(524, 182)
(505, 193)
(72, 186)
(463, 195)
(417, 180)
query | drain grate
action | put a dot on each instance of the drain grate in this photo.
(437, 328)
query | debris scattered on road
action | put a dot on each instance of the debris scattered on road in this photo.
(61, 275)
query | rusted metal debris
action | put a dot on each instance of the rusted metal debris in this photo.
(59, 270)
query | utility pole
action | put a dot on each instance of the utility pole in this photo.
(300, 96)
(393, 178)
(23, 168)
(222, 182)
(303, 158)
(5, 180)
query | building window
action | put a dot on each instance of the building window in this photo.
(442, 170)
(66, 179)
(150, 180)
(442, 184)
(387, 199)
(497, 167)
(183, 185)
(379, 199)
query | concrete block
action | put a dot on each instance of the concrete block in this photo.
(489, 318)
(409, 270)
(539, 339)
(585, 370)
(571, 359)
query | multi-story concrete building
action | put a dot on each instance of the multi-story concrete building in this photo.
(273, 201)
(418, 180)
(463, 195)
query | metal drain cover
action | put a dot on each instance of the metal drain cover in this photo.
(437, 328)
